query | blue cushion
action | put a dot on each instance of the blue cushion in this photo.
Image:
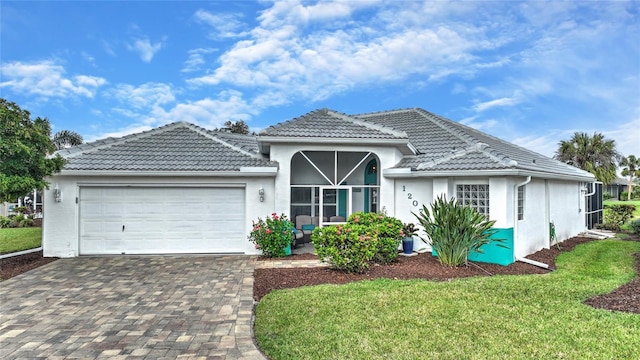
(308, 227)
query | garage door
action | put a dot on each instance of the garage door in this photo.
(150, 220)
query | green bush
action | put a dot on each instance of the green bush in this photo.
(5, 222)
(606, 195)
(272, 235)
(454, 230)
(348, 247)
(388, 231)
(635, 226)
(624, 196)
(617, 215)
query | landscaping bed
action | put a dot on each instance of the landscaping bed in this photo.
(426, 266)
(17, 265)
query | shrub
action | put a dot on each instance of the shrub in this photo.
(454, 230)
(635, 226)
(272, 235)
(16, 220)
(617, 215)
(388, 231)
(606, 195)
(624, 195)
(349, 247)
(5, 222)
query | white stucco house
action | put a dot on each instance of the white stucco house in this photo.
(180, 188)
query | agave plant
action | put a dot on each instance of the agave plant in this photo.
(454, 230)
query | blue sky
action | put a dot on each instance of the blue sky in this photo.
(531, 73)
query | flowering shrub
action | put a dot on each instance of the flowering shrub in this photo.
(272, 235)
(364, 238)
(347, 247)
(388, 231)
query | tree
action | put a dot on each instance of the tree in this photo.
(596, 155)
(66, 138)
(237, 127)
(631, 168)
(24, 148)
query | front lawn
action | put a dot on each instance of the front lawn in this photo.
(17, 239)
(503, 317)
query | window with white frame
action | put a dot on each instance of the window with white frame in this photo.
(521, 202)
(475, 196)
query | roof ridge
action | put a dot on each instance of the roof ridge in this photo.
(479, 147)
(393, 111)
(369, 125)
(206, 133)
(110, 141)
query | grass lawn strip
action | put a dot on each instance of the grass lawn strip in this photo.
(502, 317)
(18, 239)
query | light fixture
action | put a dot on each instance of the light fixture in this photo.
(261, 193)
(57, 194)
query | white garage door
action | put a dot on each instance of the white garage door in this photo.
(149, 220)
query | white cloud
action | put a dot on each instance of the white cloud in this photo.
(196, 59)
(144, 96)
(47, 79)
(223, 25)
(501, 102)
(319, 64)
(145, 48)
(206, 112)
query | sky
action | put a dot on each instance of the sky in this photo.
(532, 73)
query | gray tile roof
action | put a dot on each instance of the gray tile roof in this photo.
(325, 123)
(445, 145)
(175, 147)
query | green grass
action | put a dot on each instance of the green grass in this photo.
(500, 317)
(17, 239)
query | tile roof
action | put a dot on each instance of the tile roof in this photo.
(179, 146)
(445, 145)
(325, 123)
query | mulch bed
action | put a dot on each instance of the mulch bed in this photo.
(425, 266)
(17, 265)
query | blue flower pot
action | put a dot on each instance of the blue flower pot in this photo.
(407, 245)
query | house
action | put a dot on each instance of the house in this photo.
(617, 187)
(180, 188)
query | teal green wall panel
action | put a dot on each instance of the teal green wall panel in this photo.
(492, 253)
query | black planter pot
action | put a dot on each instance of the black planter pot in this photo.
(407, 245)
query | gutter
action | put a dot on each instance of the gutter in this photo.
(407, 173)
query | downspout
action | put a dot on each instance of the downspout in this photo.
(515, 223)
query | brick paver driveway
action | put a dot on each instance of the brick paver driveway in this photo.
(147, 307)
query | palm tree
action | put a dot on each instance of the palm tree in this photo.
(596, 155)
(236, 127)
(66, 138)
(631, 169)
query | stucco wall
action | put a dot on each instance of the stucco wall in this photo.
(567, 208)
(410, 195)
(61, 220)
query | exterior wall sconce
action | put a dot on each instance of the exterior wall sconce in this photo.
(57, 194)
(261, 193)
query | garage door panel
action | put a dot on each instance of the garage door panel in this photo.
(161, 220)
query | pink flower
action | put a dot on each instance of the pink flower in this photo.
(257, 246)
(268, 231)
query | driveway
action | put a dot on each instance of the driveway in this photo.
(147, 307)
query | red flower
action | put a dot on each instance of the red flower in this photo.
(268, 231)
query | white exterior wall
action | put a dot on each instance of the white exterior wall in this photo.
(282, 153)
(567, 208)
(410, 195)
(61, 221)
(532, 232)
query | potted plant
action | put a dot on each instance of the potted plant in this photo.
(408, 230)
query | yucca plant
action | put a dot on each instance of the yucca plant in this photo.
(454, 230)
